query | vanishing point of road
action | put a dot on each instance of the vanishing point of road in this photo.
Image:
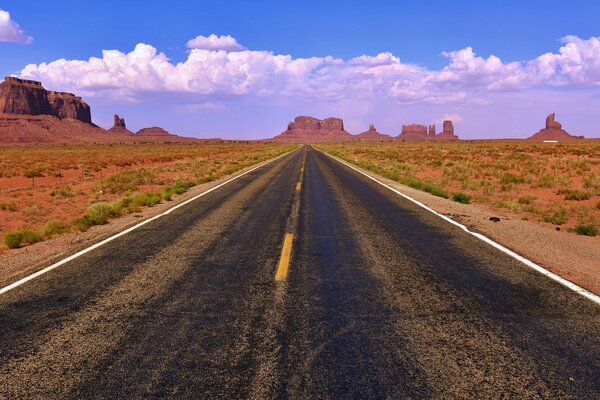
(302, 279)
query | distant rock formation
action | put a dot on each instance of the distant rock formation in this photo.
(119, 122)
(417, 131)
(25, 97)
(312, 130)
(119, 125)
(447, 132)
(425, 132)
(553, 131)
(372, 134)
(153, 131)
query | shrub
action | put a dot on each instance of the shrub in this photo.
(586, 230)
(65, 192)
(598, 205)
(8, 207)
(143, 200)
(546, 181)
(97, 214)
(461, 198)
(509, 178)
(127, 181)
(12, 240)
(559, 217)
(53, 227)
(526, 199)
(179, 187)
(30, 236)
(574, 194)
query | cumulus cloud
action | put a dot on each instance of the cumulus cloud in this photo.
(10, 31)
(213, 71)
(214, 42)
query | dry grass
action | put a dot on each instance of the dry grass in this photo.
(49, 190)
(556, 184)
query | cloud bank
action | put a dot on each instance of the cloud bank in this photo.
(218, 66)
(218, 71)
(10, 31)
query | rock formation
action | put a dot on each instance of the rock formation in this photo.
(414, 131)
(372, 134)
(312, 130)
(553, 131)
(119, 122)
(67, 105)
(24, 97)
(119, 125)
(447, 132)
(424, 132)
(153, 131)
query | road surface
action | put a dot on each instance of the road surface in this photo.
(378, 299)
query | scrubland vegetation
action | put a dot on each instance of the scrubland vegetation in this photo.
(47, 191)
(553, 183)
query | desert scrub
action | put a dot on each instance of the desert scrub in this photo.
(586, 229)
(53, 227)
(8, 207)
(526, 200)
(16, 239)
(460, 197)
(574, 194)
(178, 187)
(65, 192)
(558, 217)
(127, 181)
(13, 240)
(97, 214)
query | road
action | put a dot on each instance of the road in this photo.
(380, 299)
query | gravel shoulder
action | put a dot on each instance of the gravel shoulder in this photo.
(18, 263)
(573, 257)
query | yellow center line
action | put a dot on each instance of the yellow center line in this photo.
(284, 260)
(298, 186)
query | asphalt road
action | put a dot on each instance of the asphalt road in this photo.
(381, 300)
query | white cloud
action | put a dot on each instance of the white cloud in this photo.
(10, 31)
(214, 42)
(454, 117)
(211, 75)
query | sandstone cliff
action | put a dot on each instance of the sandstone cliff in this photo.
(24, 97)
(312, 130)
(553, 131)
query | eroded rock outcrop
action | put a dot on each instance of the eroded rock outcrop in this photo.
(553, 131)
(311, 130)
(153, 131)
(119, 125)
(447, 132)
(67, 105)
(372, 134)
(427, 132)
(25, 97)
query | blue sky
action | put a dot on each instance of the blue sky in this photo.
(415, 83)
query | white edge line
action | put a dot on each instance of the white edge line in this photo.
(576, 288)
(132, 228)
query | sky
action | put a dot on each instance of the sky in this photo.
(243, 70)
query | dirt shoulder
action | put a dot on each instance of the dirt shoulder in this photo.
(573, 257)
(18, 263)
